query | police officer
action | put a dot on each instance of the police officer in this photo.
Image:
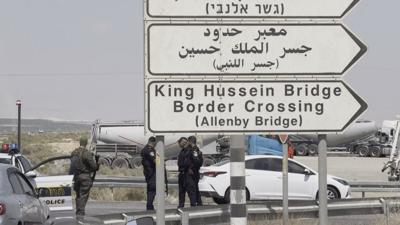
(194, 162)
(85, 164)
(183, 169)
(149, 170)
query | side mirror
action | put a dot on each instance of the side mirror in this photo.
(43, 192)
(141, 221)
(31, 173)
(307, 171)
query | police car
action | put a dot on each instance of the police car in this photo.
(56, 189)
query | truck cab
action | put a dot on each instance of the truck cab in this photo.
(56, 188)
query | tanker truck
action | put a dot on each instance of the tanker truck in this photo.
(307, 144)
(119, 144)
(380, 144)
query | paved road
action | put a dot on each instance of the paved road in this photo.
(350, 168)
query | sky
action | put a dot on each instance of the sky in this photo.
(83, 60)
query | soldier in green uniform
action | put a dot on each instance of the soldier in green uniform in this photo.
(85, 164)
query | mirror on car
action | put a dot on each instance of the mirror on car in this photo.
(43, 192)
(31, 173)
(307, 171)
(141, 221)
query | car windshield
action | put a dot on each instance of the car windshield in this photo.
(222, 163)
(5, 161)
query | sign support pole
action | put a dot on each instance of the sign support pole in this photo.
(285, 183)
(160, 177)
(238, 181)
(322, 177)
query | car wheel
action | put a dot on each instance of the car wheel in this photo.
(332, 193)
(120, 163)
(219, 201)
(313, 149)
(227, 196)
(375, 151)
(136, 163)
(363, 151)
(301, 150)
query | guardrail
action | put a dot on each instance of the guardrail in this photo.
(139, 182)
(271, 210)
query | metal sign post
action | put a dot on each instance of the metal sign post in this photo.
(285, 183)
(160, 178)
(322, 178)
(238, 181)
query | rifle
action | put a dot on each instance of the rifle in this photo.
(98, 167)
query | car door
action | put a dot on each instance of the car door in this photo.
(18, 194)
(300, 186)
(56, 174)
(259, 181)
(34, 211)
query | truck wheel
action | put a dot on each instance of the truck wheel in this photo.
(104, 162)
(301, 150)
(120, 163)
(375, 151)
(136, 163)
(363, 151)
(208, 162)
(224, 158)
(313, 149)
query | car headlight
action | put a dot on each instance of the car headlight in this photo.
(342, 181)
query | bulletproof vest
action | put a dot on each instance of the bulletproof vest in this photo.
(199, 159)
(182, 158)
(145, 159)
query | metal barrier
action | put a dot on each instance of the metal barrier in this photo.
(261, 211)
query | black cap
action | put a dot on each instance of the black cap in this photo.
(182, 139)
(152, 139)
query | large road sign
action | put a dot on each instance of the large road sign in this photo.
(240, 9)
(250, 49)
(250, 106)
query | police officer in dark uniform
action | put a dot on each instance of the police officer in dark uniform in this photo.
(85, 164)
(149, 156)
(183, 169)
(194, 162)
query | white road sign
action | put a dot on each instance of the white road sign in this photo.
(246, 9)
(269, 49)
(250, 106)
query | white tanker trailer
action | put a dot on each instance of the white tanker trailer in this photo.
(120, 144)
(359, 129)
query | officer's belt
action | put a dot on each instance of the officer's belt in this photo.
(83, 172)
